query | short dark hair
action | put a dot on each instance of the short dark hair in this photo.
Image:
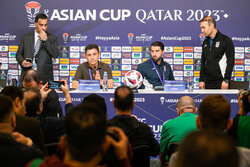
(6, 108)
(91, 46)
(97, 100)
(158, 43)
(214, 112)
(85, 132)
(123, 102)
(13, 92)
(32, 103)
(206, 149)
(40, 16)
(31, 75)
(209, 19)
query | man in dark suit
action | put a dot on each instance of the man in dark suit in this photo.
(27, 126)
(37, 49)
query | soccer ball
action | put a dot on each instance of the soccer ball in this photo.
(133, 79)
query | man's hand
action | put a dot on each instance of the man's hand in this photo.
(43, 36)
(120, 146)
(224, 85)
(26, 64)
(65, 90)
(22, 139)
(202, 85)
(97, 75)
(45, 91)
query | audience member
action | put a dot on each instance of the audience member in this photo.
(86, 140)
(214, 115)
(16, 149)
(29, 127)
(51, 104)
(175, 129)
(52, 127)
(139, 134)
(241, 123)
(207, 149)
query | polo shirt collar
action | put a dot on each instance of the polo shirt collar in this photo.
(99, 65)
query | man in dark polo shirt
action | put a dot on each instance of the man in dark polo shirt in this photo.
(92, 69)
(155, 70)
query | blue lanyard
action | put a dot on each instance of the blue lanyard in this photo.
(90, 75)
(163, 76)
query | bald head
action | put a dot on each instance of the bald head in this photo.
(186, 104)
(31, 78)
(124, 98)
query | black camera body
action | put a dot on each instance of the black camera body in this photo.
(245, 99)
(109, 158)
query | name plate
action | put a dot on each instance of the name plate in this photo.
(89, 85)
(174, 86)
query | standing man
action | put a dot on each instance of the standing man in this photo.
(155, 70)
(37, 49)
(217, 58)
(92, 69)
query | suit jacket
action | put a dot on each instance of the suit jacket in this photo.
(47, 51)
(30, 127)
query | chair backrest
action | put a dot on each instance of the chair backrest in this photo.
(141, 156)
(51, 148)
(172, 148)
(239, 85)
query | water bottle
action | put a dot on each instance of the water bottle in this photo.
(105, 82)
(190, 84)
(9, 79)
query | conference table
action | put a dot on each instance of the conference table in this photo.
(155, 107)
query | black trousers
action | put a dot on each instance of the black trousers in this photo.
(213, 84)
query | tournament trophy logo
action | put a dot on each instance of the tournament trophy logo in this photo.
(65, 37)
(32, 8)
(202, 38)
(162, 100)
(130, 37)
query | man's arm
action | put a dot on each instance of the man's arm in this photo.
(230, 58)
(78, 75)
(51, 46)
(19, 55)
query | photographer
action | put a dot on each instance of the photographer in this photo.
(241, 123)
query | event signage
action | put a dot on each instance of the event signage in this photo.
(89, 85)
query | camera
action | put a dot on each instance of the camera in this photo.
(245, 99)
(109, 158)
(55, 84)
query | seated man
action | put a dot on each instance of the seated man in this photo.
(51, 104)
(138, 133)
(92, 69)
(155, 70)
(175, 129)
(16, 150)
(241, 123)
(207, 149)
(214, 115)
(86, 140)
(27, 126)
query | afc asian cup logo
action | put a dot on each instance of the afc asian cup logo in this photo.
(202, 38)
(162, 100)
(32, 8)
(130, 37)
(65, 37)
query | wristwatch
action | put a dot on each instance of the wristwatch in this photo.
(226, 80)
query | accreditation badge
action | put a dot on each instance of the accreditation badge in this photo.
(217, 44)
